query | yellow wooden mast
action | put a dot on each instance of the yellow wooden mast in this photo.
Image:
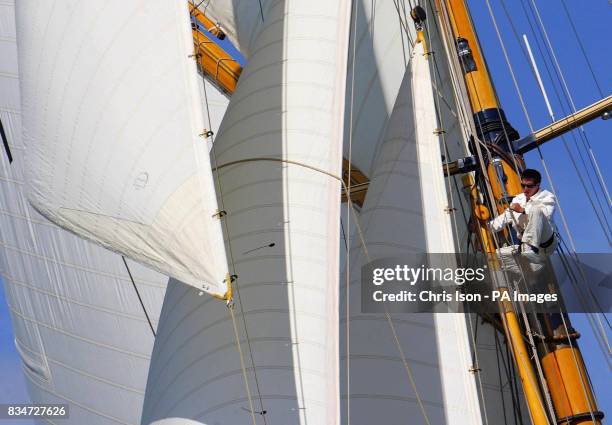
(563, 367)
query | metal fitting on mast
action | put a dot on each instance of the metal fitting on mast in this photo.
(465, 55)
(418, 15)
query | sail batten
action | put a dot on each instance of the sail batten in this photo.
(113, 121)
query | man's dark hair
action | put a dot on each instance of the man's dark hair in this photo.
(532, 174)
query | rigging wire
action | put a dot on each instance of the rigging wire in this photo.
(236, 285)
(388, 316)
(591, 322)
(586, 58)
(578, 172)
(562, 102)
(144, 309)
(499, 376)
(546, 170)
(403, 23)
(351, 209)
(526, 322)
(510, 370)
(569, 97)
(574, 280)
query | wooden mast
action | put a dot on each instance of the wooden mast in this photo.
(563, 366)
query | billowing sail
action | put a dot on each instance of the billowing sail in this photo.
(404, 212)
(279, 154)
(113, 126)
(80, 330)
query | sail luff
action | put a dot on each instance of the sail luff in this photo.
(458, 386)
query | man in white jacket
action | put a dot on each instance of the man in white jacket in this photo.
(530, 214)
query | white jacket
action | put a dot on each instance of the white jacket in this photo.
(543, 199)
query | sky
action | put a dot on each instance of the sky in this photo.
(592, 18)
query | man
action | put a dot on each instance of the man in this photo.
(530, 214)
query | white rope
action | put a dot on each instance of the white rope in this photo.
(355, 10)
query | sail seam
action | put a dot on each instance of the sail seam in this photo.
(81, 405)
(23, 284)
(75, 336)
(77, 267)
(95, 377)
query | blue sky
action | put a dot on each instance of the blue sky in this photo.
(593, 21)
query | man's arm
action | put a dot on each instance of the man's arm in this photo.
(500, 221)
(546, 202)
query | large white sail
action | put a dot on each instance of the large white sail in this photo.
(112, 124)
(279, 156)
(404, 212)
(80, 330)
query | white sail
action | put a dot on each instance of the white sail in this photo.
(112, 123)
(404, 212)
(279, 155)
(80, 330)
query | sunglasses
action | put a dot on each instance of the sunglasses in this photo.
(529, 186)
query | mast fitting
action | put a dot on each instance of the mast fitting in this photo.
(465, 55)
(206, 133)
(418, 15)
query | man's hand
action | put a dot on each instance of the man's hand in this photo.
(517, 208)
